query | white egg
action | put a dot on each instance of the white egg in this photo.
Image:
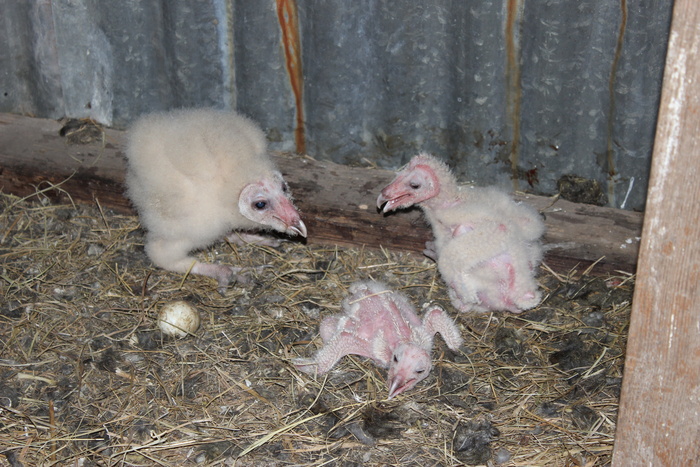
(178, 319)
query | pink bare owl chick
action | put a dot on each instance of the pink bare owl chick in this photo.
(487, 246)
(381, 324)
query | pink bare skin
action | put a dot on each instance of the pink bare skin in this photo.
(487, 247)
(382, 325)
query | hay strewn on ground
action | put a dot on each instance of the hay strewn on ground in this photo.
(86, 378)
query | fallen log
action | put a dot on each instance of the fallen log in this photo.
(337, 202)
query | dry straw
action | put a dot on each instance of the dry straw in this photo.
(86, 378)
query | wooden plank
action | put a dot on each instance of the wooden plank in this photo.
(337, 202)
(659, 416)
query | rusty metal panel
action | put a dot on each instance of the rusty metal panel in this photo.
(591, 80)
(512, 92)
(29, 74)
(263, 86)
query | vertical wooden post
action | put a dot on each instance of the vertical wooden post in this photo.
(659, 417)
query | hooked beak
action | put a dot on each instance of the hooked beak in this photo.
(381, 200)
(395, 195)
(298, 228)
(389, 203)
(288, 215)
(294, 227)
(397, 385)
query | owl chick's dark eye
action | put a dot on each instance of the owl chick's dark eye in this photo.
(414, 185)
(418, 372)
(260, 205)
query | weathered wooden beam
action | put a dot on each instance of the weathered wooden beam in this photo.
(337, 202)
(659, 416)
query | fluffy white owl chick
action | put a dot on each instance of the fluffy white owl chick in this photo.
(197, 175)
(487, 247)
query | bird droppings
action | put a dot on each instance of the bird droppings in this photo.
(87, 377)
(594, 319)
(472, 441)
(387, 422)
(9, 396)
(508, 344)
(81, 131)
(501, 456)
(576, 354)
(584, 417)
(581, 190)
(214, 450)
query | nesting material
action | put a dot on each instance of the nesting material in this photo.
(178, 319)
(88, 378)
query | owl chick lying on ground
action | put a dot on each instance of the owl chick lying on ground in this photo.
(198, 175)
(382, 325)
(487, 247)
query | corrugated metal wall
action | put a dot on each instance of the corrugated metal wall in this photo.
(512, 92)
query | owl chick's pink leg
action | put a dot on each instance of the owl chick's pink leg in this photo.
(463, 293)
(430, 251)
(461, 229)
(528, 294)
(173, 255)
(518, 289)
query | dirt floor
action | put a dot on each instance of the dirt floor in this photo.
(87, 378)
